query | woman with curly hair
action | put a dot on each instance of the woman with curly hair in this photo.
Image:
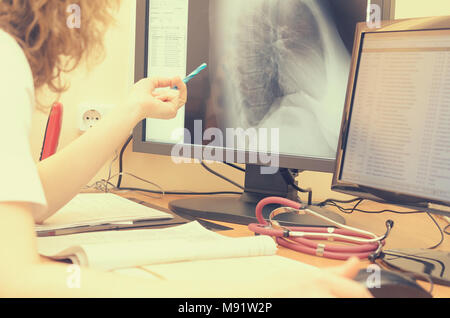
(38, 45)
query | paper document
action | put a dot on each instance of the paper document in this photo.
(91, 209)
(123, 249)
(238, 269)
(167, 57)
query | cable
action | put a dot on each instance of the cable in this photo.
(446, 229)
(287, 176)
(440, 230)
(323, 203)
(358, 201)
(354, 209)
(235, 166)
(101, 186)
(110, 171)
(221, 176)
(411, 274)
(309, 191)
(119, 181)
(181, 192)
(160, 190)
(355, 206)
(103, 183)
(447, 219)
(348, 210)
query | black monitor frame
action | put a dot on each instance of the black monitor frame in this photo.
(140, 71)
(376, 194)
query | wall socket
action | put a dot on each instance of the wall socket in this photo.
(90, 114)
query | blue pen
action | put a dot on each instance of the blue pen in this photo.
(194, 73)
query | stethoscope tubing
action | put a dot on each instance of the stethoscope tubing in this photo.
(306, 239)
(301, 238)
(325, 252)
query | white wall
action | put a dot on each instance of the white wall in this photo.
(421, 8)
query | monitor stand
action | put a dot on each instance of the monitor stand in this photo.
(241, 209)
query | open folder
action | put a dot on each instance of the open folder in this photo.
(89, 212)
(111, 250)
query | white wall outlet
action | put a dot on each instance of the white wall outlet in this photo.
(90, 114)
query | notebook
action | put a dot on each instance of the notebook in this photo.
(98, 211)
(111, 250)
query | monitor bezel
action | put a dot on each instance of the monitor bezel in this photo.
(140, 145)
(373, 193)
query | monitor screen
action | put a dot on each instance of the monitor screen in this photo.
(277, 71)
(399, 124)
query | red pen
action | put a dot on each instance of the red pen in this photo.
(52, 132)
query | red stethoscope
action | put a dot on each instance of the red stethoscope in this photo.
(303, 239)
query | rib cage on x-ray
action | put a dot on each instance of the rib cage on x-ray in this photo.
(274, 34)
(273, 55)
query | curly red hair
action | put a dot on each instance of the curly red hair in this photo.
(51, 43)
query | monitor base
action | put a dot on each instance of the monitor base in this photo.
(240, 211)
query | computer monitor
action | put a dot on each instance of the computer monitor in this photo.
(395, 137)
(271, 98)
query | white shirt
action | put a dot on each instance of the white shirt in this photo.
(19, 179)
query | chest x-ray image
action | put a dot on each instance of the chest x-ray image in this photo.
(279, 64)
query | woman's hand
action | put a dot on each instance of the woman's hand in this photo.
(157, 98)
(283, 280)
(339, 280)
(334, 282)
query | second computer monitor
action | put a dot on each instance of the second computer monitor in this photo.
(395, 141)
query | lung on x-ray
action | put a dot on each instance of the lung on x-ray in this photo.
(278, 64)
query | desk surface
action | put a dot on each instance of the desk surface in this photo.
(410, 231)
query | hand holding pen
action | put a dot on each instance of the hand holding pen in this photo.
(150, 102)
(194, 74)
(185, 81)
